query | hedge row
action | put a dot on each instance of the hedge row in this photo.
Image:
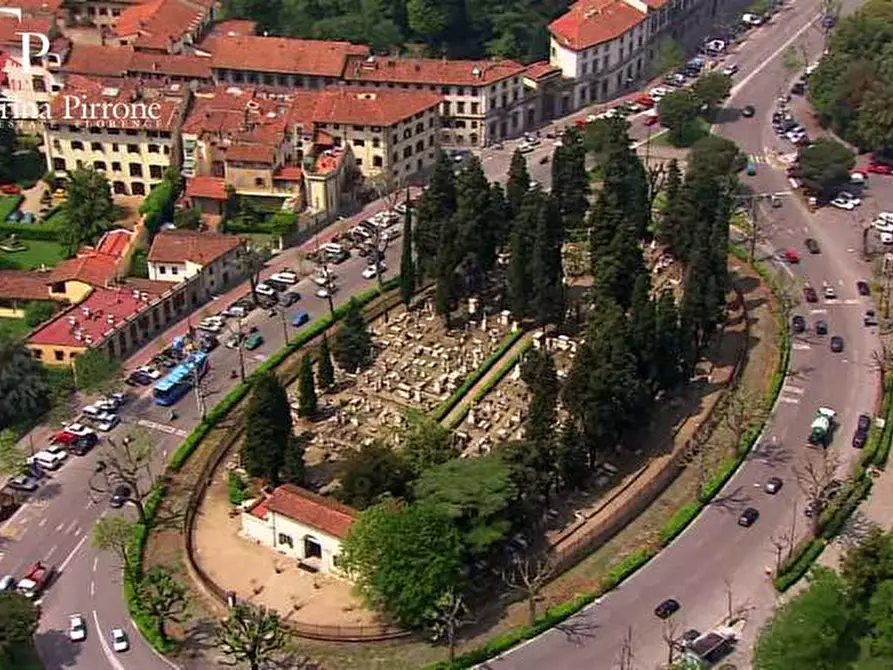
(795, 569)
(634, 561)
(447, 405)
(491, 383)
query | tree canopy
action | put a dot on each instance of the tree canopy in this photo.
(24, 391)
(825, 165)
(268, 429)
(352, 347)
(18, 621)
(678, 111)
(89, 210)
(370, 472)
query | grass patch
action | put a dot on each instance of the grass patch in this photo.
(13, 328)
(8, 203)
(37, 254)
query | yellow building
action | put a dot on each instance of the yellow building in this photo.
(125, 130)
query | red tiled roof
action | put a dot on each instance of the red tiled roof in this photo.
(367, 106)
(11, 28)
(541, 69)
(288, 173)
(111, 61)
(244, 152)
(211, 188)
(309, 509)
(431, 71)
(97, 270)
(114, 243)
(135, 17)
(157, 21)
(33, 7)
(281, 55)
(23, 285)
(179, 246)
(591, 22)
(233, 27)
(103, 310)
(175, 65)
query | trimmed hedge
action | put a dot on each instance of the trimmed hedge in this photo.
(798, 566)
(492, 382)
(679, 521)
(447, 405)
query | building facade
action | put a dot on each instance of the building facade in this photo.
(178, 255)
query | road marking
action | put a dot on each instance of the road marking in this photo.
(71, 526)
(60, 526)
(793, 389)
(161, 427)
(95, 562)
(801, 346)
(818, 311)
(71, 555)
(51, 551)
(77, 531)
(92, 588)
(43, 522)
(851, 301)
(110, 657)
(789, 401)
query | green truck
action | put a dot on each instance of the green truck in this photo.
(821, 428)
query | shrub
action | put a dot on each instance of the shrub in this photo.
(627, 567)
(679, 521)
(236, 488)
(794, 570)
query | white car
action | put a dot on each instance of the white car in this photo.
(264, 289)
(370, 271)
(886, 238)
(235, 310)
(119, 640)
(324, 277)
(882, 226)
(107, 421)
(658, 92)
(846, 195)
(830, 293)
(78, 429)
(57, 450)
(525, 147)
(285, 277)
(534, 184)
(77, 628)
(47, 459)
(211, 326)
(325, 291)
(752, 19)
(730, 69)
(149, 371)
(843, 203)
(392, 233)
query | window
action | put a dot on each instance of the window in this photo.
(37, 353)
(377, 161)
(359, 142)
(77, 145)
(162, 270)
(407, 133)
(286, 540)
(130, 131)
(407, 152)
(259, 182)
(39, 84)
(175, 270)
(57, 145)
(359, 162)
(155, 172)
(116, 166)
(113, 131)
(136, 170)
(420, 146)
(475, 106)
(359, 129)
(376, 142)
(59, 165)
(446, 109)
(396, 157)
(114, 146)
(59, 355)
(99, 165)
(154, 149)
(96, 146)
(133, 149)
(419, 128)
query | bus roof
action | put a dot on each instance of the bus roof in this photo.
(181, 373)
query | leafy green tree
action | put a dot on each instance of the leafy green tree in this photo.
(114, 534)
(877, 646)
(812, 630)
(189, 218)
(324, 367)
(678, 112)
(403, 558)
(12, 458)
(428, 444)
(268, 428)
(712, 88)
(7, 147)
(24, 392)
(18, 621)
(407, 261)
(874, 125)
(89, 210)
(308, 403)
(370, 472)
(716, 155)
(670, 56)
(517, 185)
(95, 370)
(38, 311)
(161, 597)
(353, 343)
(250, 634)
(475, 492)
(570, 180)
(825, 165)
(864, 567)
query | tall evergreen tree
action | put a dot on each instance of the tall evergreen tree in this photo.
(619, 266)
(546, 274)
(671, 230)
(520, 280)
(447, 289)
(571, 456)
(570, 182)
(498, 226)
(293, 468)
(436, 206)
(471, 223)
(353, 343)
(7, 143)
(667, 354)
(407, 261)
(325, 369)
(307, 400)
(268, 428)
(517, 185)
(643, 326)
(538, 372)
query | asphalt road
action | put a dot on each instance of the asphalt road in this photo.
(715, 556)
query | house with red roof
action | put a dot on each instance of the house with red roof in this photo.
(164, 26)
(178, 255)
(18, 288)
(300, 524)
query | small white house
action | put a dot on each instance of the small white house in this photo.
(300, 524)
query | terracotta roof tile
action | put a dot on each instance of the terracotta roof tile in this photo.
(11, 28)
(23, 285)
(591, 22)
(311, 509)
(157, 21)
(281, 55)
(114, 243)
(289, 173)
(34, 7)
(96, 60)
(97, 270)
(175, 65)
(135, 17)
(374, 107)
(245, 152)
(541, 69)
(211, 188)
(431, 71)
(179, 246)
(233, 27)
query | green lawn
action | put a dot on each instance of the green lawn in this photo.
(14, 328)
(37, 254)
(7, 204)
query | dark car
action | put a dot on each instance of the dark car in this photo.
(667, 609)
(748, 517)
(864, 423)
(277, 286)
(863, 288)
(83, 444)
(290, 298)
(748, 111)
(23, 483)
(836, 344)
(773, 485)
(859, 439)
(810, 294)
(821, 327)
(812, 246)
(798, 324)
(870, 318)
(120, 496)
(138, 378)
(690, 636)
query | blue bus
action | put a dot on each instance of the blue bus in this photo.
(178, 382)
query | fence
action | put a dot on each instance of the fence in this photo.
(635, 496)
(365, 633)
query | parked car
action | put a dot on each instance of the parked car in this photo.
(290, 298)
(748, 517)
(730, 69)
(821, 327)
(23, 483)
(829, 292)
(791, 256)
(254, 341)
(773, 485)
(836, 344)
(843, 203)
(10, 189)
(264, 289)
(879, 168)
(285, 277)
(234, 310)
(870, 318)
(120, 496)
(798, 324)
(371, 271)
(863, 423)
(859, 439)
(809, 294)
(667, 608)
(77, 628)
(299, 319)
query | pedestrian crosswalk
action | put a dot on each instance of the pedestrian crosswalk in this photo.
(758, 159)
(164, 428)
(790, 394)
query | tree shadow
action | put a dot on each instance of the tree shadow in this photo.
(771, 453)
(578, 629)
(56, 650)
(169, 519)
(855, 530)
(199, 639)
(732, 501)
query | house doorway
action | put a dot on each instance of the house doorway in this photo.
(312, 548)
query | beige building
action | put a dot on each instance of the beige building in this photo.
(125, 130)
(101, 13)
(301, 525)
(178, 255)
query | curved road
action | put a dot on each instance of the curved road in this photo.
(715, 555)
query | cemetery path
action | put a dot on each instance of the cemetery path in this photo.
(468, 399)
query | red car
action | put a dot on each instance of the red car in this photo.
(651, 119)
(644, 100)
(791, 256)
(10, 189)
(879, 168)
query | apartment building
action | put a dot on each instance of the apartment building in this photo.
(254, 60)
(94, 60)
(483, 101)
(100, 13)
(126, 130)
(164, 26)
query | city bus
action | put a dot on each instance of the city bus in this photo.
(178, 382)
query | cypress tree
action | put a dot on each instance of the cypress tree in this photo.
(570, 181)
(570, 456)
(307, 401)
(671, 231)
(471, 222)
(436, 206)
(407, 263)
(268, 429)
(353, 343)
(498, 226)
(520, 279)
(667, 354)
(547, 297)
(325, 368)
(538, 372)
(293, 469)
(517, 185)
(643, 328)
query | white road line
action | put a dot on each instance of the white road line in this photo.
(801, 346)
(43, 522)
(110, 657)
(77, 531)
(89, 503)
(92, 588)
(818, 311)
(95, 562)
(71, 526)
(71, 555)
(22, 534)
(851, 301)
(51, 552)
(789, 401)
(793, 389)
(60, 526)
